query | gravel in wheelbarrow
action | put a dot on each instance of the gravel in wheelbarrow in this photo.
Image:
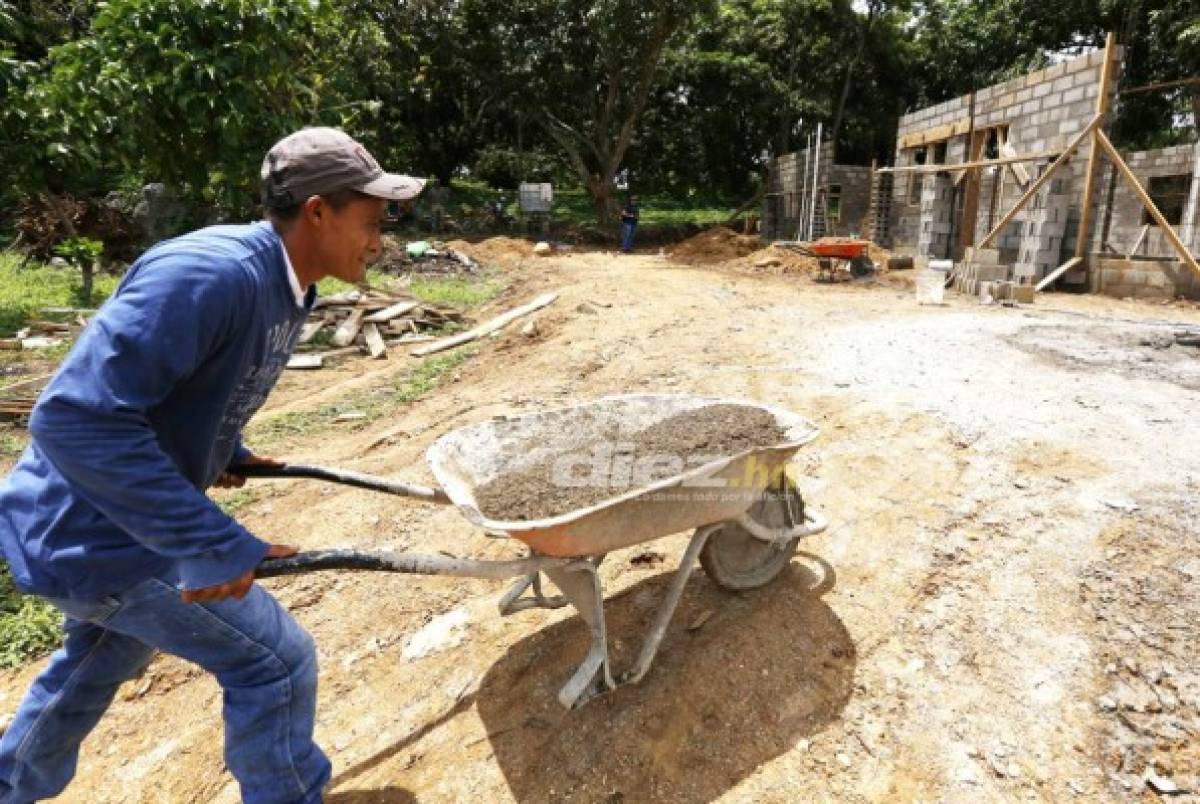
(617, 471)
(653, 454)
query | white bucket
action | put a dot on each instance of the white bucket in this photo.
(931, 286)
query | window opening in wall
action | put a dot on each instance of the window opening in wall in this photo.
(833, 206)
(1169, 194)
(914, 179)
(939, 153)
(991, 147)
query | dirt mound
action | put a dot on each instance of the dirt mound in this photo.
(775, 260)
(718, 244)
(503, 251)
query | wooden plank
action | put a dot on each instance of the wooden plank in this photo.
(305, 362)
(349, 297)
(1057, 272)
(375, 344)
(496, 324)
(388, 313)
(1083, 233)
(348, 331)
(311, 328)
(936, 134)
(979, 163)
(1140, 239)
(1041, 181)
(1022, 175)
(970, 203)
(1144, 197)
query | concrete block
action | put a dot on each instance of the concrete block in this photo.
(1022, 294)
(1042, 90)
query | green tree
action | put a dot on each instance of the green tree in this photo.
(190, 92)
(593, 66)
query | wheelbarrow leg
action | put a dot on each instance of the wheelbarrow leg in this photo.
(580, 584)
(666, 609)
(512, 602)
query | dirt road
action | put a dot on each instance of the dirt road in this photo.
(1004, 605)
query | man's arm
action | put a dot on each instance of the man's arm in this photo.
(92, 420)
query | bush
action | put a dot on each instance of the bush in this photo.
(29, 628)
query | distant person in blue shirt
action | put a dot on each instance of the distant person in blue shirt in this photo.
(105, 514)
(629, 222)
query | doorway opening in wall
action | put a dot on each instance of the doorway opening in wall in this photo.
(1169, 194)
(833, 203)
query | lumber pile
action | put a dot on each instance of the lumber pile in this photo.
(16, 400)
(44, 333)
(367, 321)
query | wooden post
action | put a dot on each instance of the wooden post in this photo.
(1041, 180)
(1089, 186)
(1147, 202)
(970, 207)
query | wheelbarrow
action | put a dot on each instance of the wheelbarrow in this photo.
(836, 257)
(746, 514)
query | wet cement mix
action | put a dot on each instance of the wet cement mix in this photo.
(590, 475)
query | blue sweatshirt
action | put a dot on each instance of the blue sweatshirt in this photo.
(145, 414)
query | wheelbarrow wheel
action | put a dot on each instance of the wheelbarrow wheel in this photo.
(861, 266)
(736, 561)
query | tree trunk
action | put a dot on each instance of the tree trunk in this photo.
(88, 270)
(839, 115)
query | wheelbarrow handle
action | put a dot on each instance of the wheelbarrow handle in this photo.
(344, 477)
(412, 563)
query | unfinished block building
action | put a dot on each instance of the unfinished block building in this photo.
(838, 206)
(1000, 177)
(943, 213)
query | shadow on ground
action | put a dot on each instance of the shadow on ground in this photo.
(386, 795)
(766, 669)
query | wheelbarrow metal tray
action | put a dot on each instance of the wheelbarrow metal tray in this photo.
(840, 249)
(720, 489)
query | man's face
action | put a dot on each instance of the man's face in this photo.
(348, 238)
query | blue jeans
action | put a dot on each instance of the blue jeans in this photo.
(265, 662)
(627, 230)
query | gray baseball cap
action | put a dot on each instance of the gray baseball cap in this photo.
(317, 161)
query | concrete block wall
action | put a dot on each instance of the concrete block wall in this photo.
(789, 190)
(855, 182)
(1126, 215)
(1042, 246)
(1144, 279)
(1043, 111)
(936, 206)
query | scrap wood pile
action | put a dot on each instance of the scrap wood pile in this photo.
(367, 321)
(44, 334)
(16, 400)
(372, 320)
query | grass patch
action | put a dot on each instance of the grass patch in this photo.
(233, 501)
(452, 291)
(406, 389)
(24, 292)
(12, 444)
(29, 627)
(575, 207)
